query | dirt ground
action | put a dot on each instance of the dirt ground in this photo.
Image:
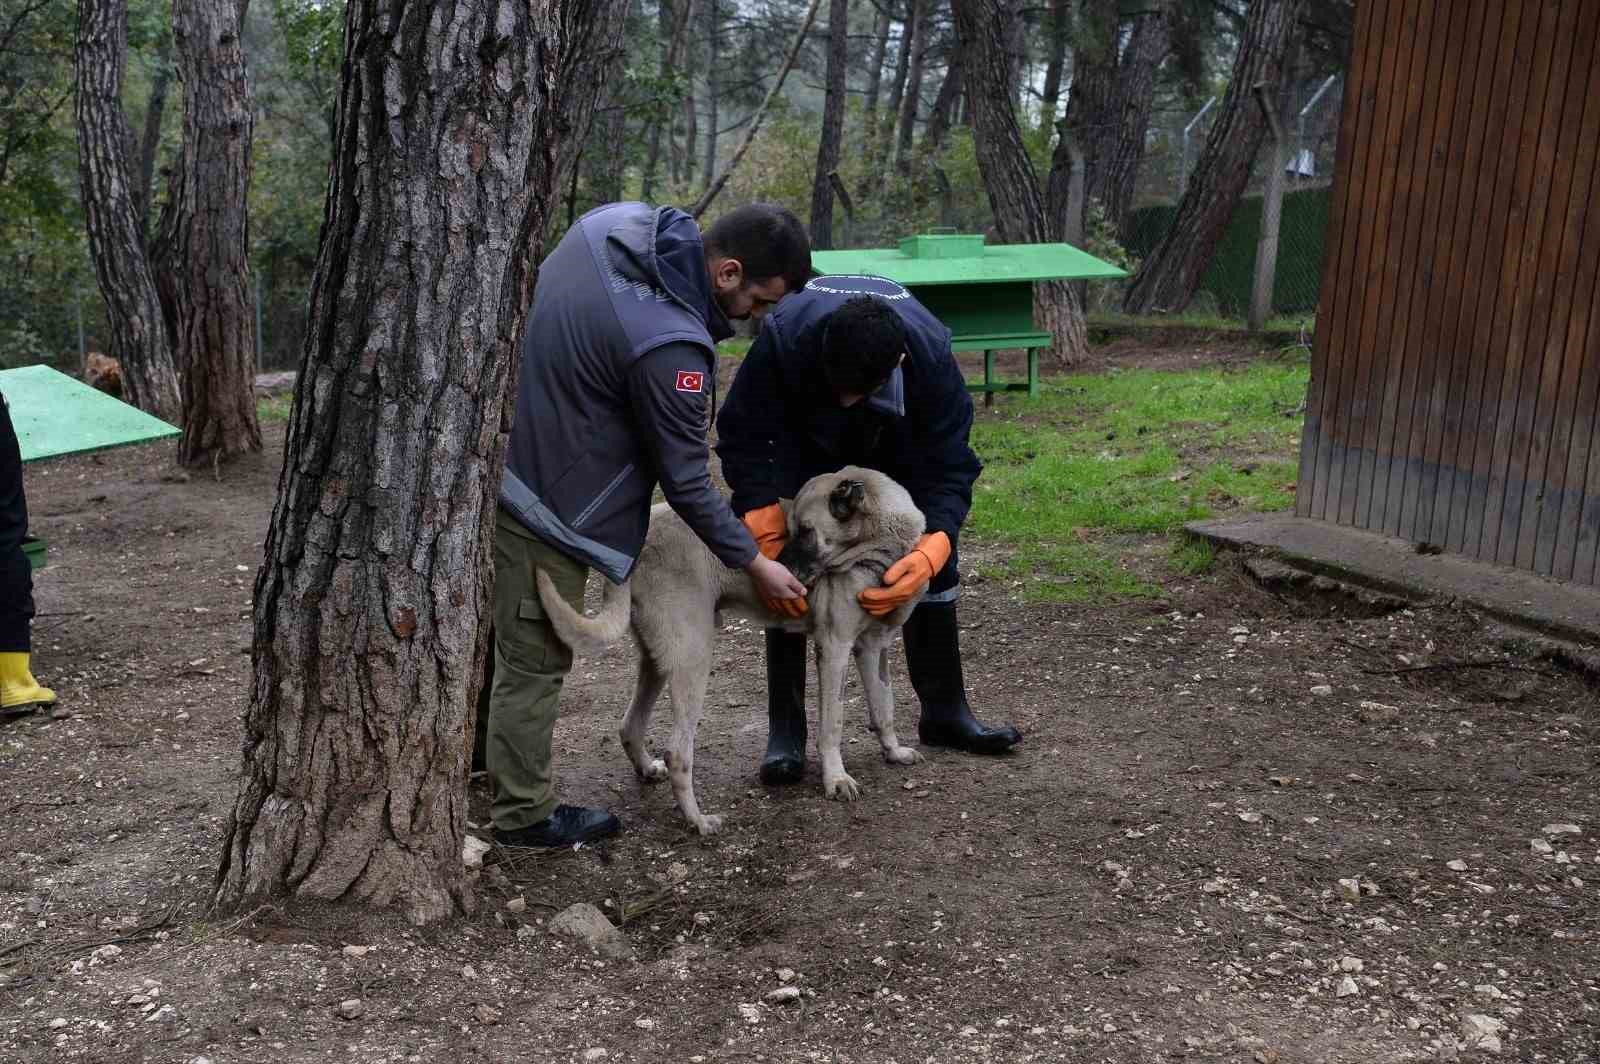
(1241, 827)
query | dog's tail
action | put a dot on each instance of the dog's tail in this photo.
(587, 636)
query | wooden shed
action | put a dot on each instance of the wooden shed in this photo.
(1455, 381)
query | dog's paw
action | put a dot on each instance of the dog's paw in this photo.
(903, 755)
(842, 788)
(655, 773)
(708, 824)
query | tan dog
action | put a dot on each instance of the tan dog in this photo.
(845, 529)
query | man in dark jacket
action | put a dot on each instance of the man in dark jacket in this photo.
(854, 371)
(618, 379)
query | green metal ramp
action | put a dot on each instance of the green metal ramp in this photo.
(55, 414)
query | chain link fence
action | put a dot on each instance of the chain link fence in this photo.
(55, 319)
(1174, 146)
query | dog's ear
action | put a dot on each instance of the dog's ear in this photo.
(845, 499)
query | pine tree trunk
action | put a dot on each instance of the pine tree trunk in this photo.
(911, 99)
(686, 160)
(1020, 210)
(1147, 48)
(667, 24)
(880, 51)
(202, 252)
(1171, 273)
(832, 125)
(940, 117)
(116, 237)
(150, 144)
(1055, 63)
(368, 642)
(884, 144)
(713, 86)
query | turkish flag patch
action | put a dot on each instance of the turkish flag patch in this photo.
(690, 381)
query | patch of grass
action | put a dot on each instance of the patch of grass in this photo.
(1138, 451)
(274, 407)
(1192, 555)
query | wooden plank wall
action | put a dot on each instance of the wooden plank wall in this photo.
(1455, 380)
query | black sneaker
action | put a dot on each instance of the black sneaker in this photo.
(567, 826)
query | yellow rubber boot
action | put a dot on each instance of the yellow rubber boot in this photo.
(18, 688)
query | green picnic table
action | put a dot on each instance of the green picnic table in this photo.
(55, 414)
(983, 293)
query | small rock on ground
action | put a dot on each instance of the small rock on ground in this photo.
(589, 925)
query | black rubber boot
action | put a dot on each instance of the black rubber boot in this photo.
(785, 759)
(933, 657)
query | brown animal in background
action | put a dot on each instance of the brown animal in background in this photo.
(103, 373)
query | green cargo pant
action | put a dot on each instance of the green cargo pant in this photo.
(530, 664)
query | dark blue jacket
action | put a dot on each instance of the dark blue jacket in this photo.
(781, 424)
(618, 379)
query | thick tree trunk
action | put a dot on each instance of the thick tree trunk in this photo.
(1021, 212)
(367, 610)
(911, 99)
(832, 125)
(1171, 273)
(1050, 95)
(116, 237)
(1112, 181)
(150, 143)
(202, 252)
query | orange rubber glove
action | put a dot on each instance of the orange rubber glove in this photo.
(771, 531)
(907, 576)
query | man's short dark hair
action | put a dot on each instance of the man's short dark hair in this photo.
(861, 345)
(768, 241)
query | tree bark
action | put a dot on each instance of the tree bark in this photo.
(911, 99)
(150, 143)
(674, 24)
(884, 142)
(1021, 213)
(832, 125)
(116, 237)
(685, 161)
(713, 90)
(201, 253)
(1170, 275)
(880, 51)
(368, 641)
(1112, 182)
(1055, 62)
(940, 116)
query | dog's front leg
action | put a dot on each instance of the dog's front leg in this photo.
(832, 659)
(872, 662)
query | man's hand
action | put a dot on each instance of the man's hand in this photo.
(777, 587)
(907, 576)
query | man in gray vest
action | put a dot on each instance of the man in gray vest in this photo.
(618, 381)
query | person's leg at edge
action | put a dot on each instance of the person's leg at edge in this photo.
(20, 693)
(785, 759)
(531, 664)
(933, 658)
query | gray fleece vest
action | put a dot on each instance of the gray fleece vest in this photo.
(576, 472)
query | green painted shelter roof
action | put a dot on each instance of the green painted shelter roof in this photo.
(55, 414)
(998, 263)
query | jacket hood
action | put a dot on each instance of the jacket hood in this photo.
(664, 250)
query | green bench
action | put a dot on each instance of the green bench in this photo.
(55, 414)
(982, 292)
